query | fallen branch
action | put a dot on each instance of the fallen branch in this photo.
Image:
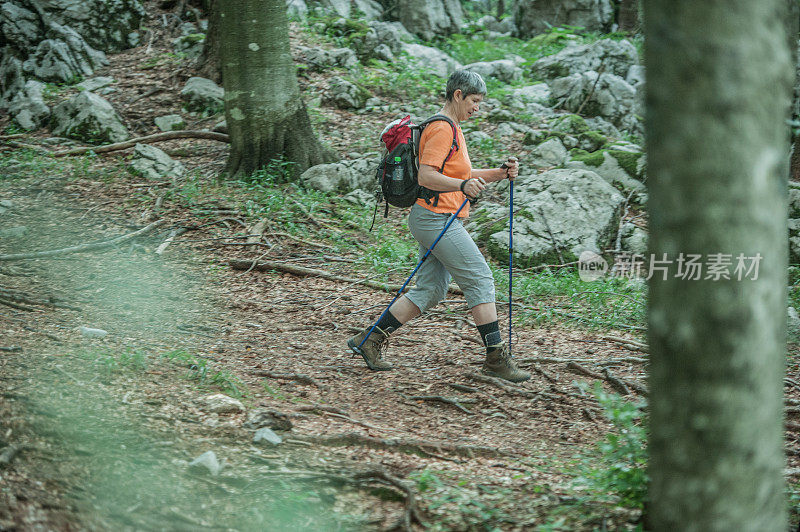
(620, 386)
(485, 395)
(401, 445)
(631, 345)
(175, 233)
(446, 400)
(304, 379)
(11, 349)
(502, 385)
(302, 271)
(83, 247)
(158, 137)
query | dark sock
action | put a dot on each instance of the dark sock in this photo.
(490, 333)
(388, 323)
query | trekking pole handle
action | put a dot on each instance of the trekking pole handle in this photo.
(506, 165)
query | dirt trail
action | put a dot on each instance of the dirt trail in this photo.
(107, 426)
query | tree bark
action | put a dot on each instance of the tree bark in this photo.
(208, 65)
(718, 95)
(266, 116)
(501, 9)
(628, 18)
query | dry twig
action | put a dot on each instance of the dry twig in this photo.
(158, 137)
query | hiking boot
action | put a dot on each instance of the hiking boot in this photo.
(372, 348)
(499, 363)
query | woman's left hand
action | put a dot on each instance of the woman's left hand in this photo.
(512, 168)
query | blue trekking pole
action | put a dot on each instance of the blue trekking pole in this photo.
(419, 265)
(510, 255)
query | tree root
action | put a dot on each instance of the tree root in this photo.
(427, 448)
(83, 247)
(158, 137)
(303, 379)
(267, 265)
(446, 400)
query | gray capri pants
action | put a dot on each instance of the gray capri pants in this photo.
(455, 255)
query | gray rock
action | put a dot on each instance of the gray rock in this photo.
(220, 127)
(346, 8)
(28, 107)
(63, 57)
(477, 137)
(222, 404)
(502, 69)
(541, 15)
(346, 95)
(105, 24)
(792, 324)
(201, 95)
(538, 93)
(153, 164)
(429, 18)
(431, 59)
(383, 52)
(634, 239)
(207, 461)
(266, 434)
(610, 97)
(19, 25)
(12, 78)
(297, 10)
(794, 201)
(616, 57)
(90, 332)
(505, 130)
(88, 117)
(605, 127)
(613, 169)
(14, 232)
(550, 153)
(170, 122)
(359, 197)
(581, 209)
(321, 60)
(189, 45)
(262, 417)
(392, 34)
(6, 205)
(94, 84)
(635, 76)
(344, 176)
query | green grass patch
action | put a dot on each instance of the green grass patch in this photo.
(204, 374)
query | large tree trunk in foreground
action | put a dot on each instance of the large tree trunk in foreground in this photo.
(267, 118)
(718, 94)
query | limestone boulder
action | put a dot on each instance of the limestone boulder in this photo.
(88, 117)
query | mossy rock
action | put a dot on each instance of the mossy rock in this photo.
(594, 158)
(570, 124)
(629, 161)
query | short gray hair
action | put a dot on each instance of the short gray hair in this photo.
(469, 82)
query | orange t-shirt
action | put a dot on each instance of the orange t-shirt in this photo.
(434, 145)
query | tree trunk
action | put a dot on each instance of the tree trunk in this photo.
(718, 93)
(501, 9)
(208, 63)
(267, 119)
(628, 18)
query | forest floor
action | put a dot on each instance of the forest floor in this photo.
(98, 433)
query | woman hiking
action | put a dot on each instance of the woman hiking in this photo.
(455, 255)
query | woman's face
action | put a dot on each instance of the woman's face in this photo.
(467, 106)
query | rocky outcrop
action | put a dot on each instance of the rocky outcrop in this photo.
(429, 18)
(579, 207)
(201, 95)
(431, 59)
(88, 117)
(537, 16)
(61, 41)
(502, 69)
(592, 94)
(346, 95)
(610, 56)
(28, 108)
